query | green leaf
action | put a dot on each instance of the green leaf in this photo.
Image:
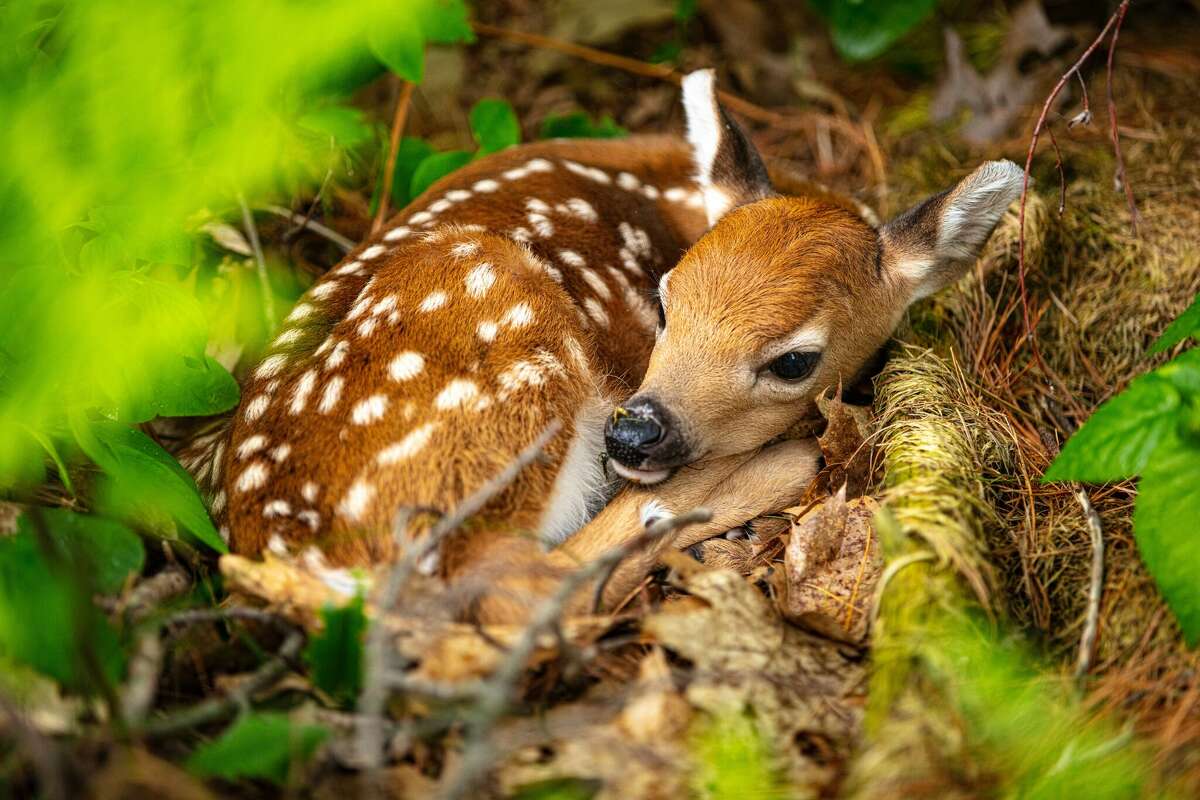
(685, 10)
(1121, 435)
(201, 388)
(577, 125)
(47, 619)
(409, 155)
(107, 551)
(435, 167)
(400, 48)
(259, 745)
(1186, 325)
(345, 126)
(143, 483)
(335, 656)
(863, 29)
(445, 21)
(494, 125)
(1166, 524)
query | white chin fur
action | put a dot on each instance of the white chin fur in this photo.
(644, 476)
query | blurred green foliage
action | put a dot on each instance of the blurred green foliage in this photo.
(335, 655)
(578, 125)
(864, 29)
(1152, 430)
(733, 760)
(258, 745)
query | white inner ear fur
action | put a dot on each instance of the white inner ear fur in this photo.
(968, 216)
(704, 130)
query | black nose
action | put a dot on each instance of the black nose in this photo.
(641, 432)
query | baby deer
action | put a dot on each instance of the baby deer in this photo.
(575, 281)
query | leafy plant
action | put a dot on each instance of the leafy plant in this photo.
(864, 29)
(578, 125)
(1152, 430)
(335, 656)
(258, 745)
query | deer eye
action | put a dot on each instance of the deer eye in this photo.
(662, 313)
(794, 366)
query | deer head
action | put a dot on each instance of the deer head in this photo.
(782, 298)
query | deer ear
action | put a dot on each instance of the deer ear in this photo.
(729, 170)
(930, 246)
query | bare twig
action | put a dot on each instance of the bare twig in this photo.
(193, 616)
(148, 595)
(1038, 128)
(1095, 585)
(496, 694)
(344, 244)
(218, 708)
(260, 262)
(138, 695)
(406, 90)
(378, 656)
(1119, 175)
(41, 751)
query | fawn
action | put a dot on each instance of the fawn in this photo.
(660, 298)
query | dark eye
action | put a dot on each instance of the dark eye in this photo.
(662, 313)
(794, 366)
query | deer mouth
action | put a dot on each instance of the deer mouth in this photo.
(646, 477)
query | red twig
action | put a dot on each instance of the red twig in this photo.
(1062, 175)
(385, 196)
(1119, 175)
(1113, 21)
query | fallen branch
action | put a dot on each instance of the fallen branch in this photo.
(260, 263)
(1095, 585)
(378, 656)
(344, 244)
(406, 90)
(496, 693)
(238, 698)
(47, 762)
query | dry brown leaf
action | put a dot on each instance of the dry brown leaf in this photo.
(799, 687)
(133, 774)
(832, 566)
(843, 444)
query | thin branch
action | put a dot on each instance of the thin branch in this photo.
(1038, 127)
(47, 761)
(148, 595)
(378, 656)
(264, 280)
(218, 708)
(406, 90)
(1062, 175)
(1119, 175)
(1095, 586)
(496, 694)
(142, 685)
(344, 244)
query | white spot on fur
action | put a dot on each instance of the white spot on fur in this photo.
(518, 316)
(309, 491)
(636, 239)
(438, 206)
(276, 545)
(486, 331)
(360, 306)
(420, 218)
(287, 337)
(458, 195)
(331, 394)
(571, 258)
(257, 407)
(374, 251)
(646, 314)
(366, 327)
(519, 375)
(486, 185)
(515, 174)
(310, 518)
(353, 267)
(652, 511)
(596, 312)
(277, 508)
(303, 389)
(677, 194)
(302, 311)
(541, 224)
(575, 351)
(522, 235)
(340, 350)
(407, 447)
(651, 192)
(397, 233)
(369, 410)
(464, 249)
(539, 165)
(218, 502)
(270, 367)
(591, 173)
(433, 301)
(597, 283)
(356, 501)
(406, 366)
(579, 208)
(251, 445)
(629, 262)
(456, 394)
(480, 279)
(537, 206)
(253, 477)
(324, 289)
(384, 305)
(628, 181)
